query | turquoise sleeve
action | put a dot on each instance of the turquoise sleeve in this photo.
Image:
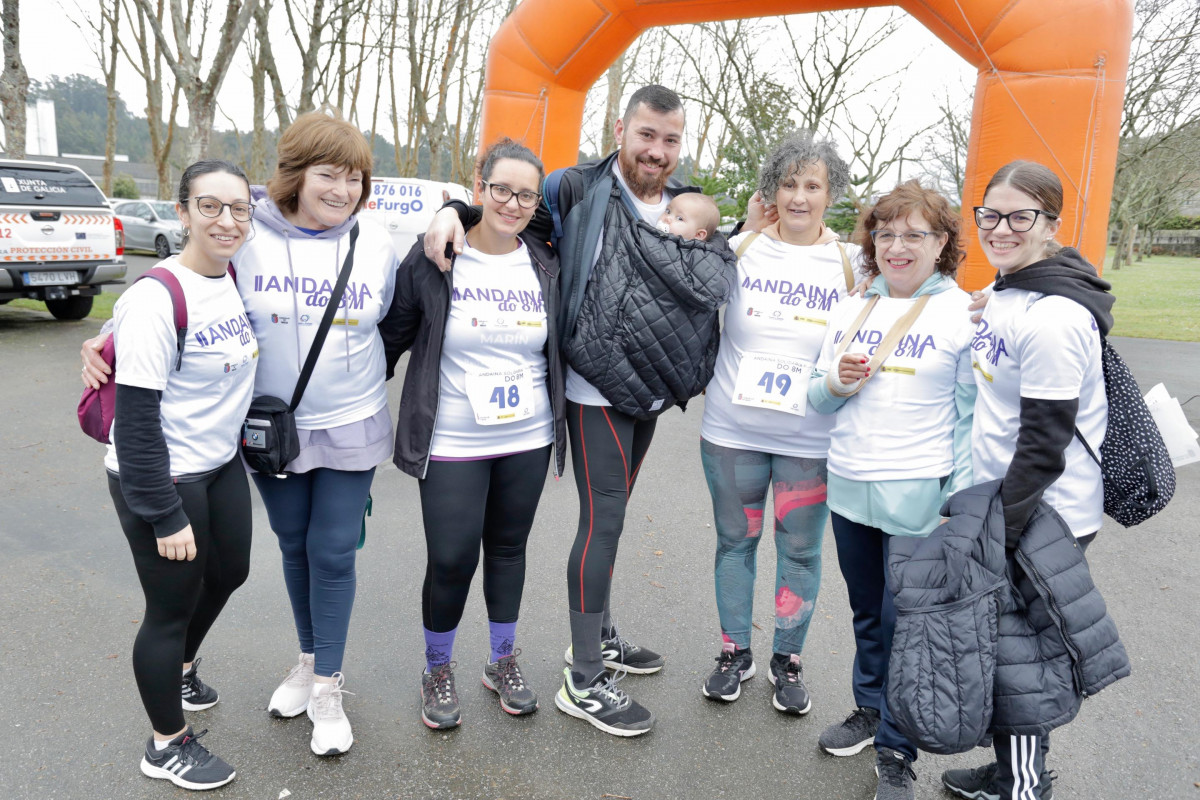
(964, 405)
(820, 399)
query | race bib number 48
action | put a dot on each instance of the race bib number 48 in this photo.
(774, 382)
(501, 396)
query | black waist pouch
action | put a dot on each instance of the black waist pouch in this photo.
(269, 439)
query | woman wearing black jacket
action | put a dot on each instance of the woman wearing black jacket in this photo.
(483, 405)
(1037, 349)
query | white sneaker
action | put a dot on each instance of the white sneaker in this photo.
(291, 698)
(331, 730)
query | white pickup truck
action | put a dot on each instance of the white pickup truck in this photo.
(59, 240)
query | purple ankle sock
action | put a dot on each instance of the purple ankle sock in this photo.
(439, 647)
(503, 635)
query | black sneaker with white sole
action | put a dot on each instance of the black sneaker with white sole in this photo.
(850, 736)
(197, 695)
(620, 654)
(980, 783)
(186, 763)
(603, 705)
(787, 676)
(733, 667)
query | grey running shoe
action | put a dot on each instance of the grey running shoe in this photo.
(896, 776)
(733, 667)
(197, 696)
(980, 783)
(505, 679)
(604, 705)
(186, 763)
(439, 699)
(620, 654)
(787, 676)
(849, 737)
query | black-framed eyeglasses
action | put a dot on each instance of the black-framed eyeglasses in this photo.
(1018, 221)
(501, 194)
(883, 239)
(212, 207)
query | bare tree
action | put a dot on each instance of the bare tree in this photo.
(1159, 158)
(199, 91)
(147, 62)
(876, 151)
(945, 150)
(615, 80)
(14, 81)
(106, 49)
(431, 60)
(824, 62)
(266, 58)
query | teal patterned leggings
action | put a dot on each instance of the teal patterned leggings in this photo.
(738, 481)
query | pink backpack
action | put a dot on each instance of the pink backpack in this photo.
(97, 406)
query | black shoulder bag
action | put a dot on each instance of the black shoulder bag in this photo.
(269, 439)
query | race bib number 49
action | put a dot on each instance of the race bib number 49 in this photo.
(501, 396)
(774, 382)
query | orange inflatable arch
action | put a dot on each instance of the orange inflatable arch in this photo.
(1050, 86)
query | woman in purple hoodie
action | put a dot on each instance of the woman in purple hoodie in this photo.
(285, 274)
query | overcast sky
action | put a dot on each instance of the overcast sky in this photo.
(51, 44)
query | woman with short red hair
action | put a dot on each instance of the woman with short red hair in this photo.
(896, 369)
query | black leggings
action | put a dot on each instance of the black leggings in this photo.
(607, 448)
(467, 503)
(183, 598)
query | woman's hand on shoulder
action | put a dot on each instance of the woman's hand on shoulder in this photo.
(95, 371)
(445, 229)
(178, 546)
(979, 301)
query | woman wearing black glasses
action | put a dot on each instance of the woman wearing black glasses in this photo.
(895, 366)
(1037, 350)
(173, 468)
(483, 405)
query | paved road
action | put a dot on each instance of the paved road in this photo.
(71, 725)
(135, 265)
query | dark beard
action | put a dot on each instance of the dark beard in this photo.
(641, 187)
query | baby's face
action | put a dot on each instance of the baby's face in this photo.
(682, 220)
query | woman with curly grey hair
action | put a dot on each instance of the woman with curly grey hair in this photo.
(758, 432)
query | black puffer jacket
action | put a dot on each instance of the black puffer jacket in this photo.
(647, 329)
(1025, 655)
(416, 320)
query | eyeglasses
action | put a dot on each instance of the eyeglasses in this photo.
(1018, 221)
(883, 239)
(501, 194)
(212, 207)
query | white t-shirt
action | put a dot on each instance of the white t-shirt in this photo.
(901, 425)
(286, 283)
(493, 397)
(784, 298)
(578, 389)
(1047, 347)
(204, 403)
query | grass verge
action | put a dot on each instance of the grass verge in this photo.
(102, 305)
(1157, 298)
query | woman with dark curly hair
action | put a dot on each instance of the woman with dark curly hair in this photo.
(895, 369)
(758, 433)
